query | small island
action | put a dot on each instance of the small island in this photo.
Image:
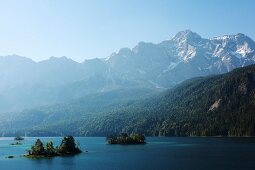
(18, 138)
(10, 157)
(125, 139)
(67, 147)
(16, 143)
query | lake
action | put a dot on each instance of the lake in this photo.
(159, 153)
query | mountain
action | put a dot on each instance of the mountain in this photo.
(220, 105)
(26, 84)
(184, 56)
(75, 110)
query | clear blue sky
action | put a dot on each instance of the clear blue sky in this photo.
(81, 29)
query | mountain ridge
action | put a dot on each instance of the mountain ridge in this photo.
(147, 65)
(181, 34)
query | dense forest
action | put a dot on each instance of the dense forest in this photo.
(125, 139)
(221, 105)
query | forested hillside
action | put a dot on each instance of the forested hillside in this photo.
(221, 105)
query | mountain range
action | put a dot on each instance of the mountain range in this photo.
(74, 90)
(28, 84)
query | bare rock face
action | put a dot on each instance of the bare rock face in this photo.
(215, 105)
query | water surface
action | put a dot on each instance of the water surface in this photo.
(158, 153)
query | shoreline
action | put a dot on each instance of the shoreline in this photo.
(146, 137)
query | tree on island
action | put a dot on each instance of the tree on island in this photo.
(124, 138)
(38, 148)
(67, 147)
(50, 150)
(18, 138)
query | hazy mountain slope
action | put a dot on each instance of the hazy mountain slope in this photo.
(72, 111)
(210, 106)
(27, 84)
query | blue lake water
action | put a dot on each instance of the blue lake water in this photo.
(158, 153)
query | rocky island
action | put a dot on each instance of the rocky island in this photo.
(67, 147)
(126, 139)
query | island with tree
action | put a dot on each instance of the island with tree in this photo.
(18, 138)
(67, 147)
(126, 139)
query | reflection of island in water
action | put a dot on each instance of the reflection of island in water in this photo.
(67, 147)
(126, 139)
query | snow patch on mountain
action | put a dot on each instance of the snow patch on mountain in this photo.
(171, 66)
(244, 49)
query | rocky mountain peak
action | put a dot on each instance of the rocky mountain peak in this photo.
(186, 36)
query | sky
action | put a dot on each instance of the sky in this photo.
(84, 29)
